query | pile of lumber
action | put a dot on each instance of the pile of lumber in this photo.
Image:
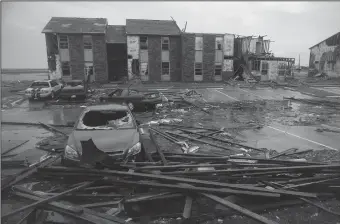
(171, 180)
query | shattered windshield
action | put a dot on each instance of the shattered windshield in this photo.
(40, 84)
(106, 120)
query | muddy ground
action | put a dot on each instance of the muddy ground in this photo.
(258, 117)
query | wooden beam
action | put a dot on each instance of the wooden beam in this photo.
(158, 149)
(239, 209)
(178, 180)
(46, 200)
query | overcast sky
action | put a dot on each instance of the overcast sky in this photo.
(294, 26)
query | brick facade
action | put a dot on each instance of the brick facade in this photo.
(188, 57)
(175, 59)
(155, 58)
(100, 58)
(208, 57)
(76, 50)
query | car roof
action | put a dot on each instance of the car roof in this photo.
(42, 80)
(112, 106)
(75, 80)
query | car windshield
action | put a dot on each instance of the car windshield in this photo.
(40, 84)
(106, 119)
(74, 83)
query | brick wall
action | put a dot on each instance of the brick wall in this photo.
(76, 56)
(175, 59)
(100, 58)
(188, 57)
(208, 57)
(155, 58)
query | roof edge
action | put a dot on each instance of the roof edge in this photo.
(323, 40)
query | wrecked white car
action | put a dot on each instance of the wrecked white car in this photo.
(113, 130)
(43, 89)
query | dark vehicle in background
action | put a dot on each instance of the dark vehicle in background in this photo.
(43, 89)
(133, 98)
(113, 130)
(73, 89)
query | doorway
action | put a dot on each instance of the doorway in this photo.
(117, 61)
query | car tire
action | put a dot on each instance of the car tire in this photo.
(131, 106)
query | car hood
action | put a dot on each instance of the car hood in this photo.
(117, 140)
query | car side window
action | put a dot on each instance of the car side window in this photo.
(133, 92)
(53, 83)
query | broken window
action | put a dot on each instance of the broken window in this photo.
(265, 67)
(165, 43)
(40, 84)
(218, 69)
(106, 119)
(218, 43)
(143, 43)
(282, 69)
(87, 42)
(165, 68)
(65, 67)
(63, 42)
(256, 65)
(198, 68)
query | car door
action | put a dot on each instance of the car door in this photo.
(116, 96)
(55, 86)
(134, 96)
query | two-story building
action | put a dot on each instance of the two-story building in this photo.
(325, 56)
(207, 57)
(76, 48)
(154, 50)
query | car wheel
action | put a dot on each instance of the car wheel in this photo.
(130, 105)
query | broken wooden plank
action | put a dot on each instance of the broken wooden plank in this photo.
(284, 152)
(187, 207)
(310, 183)
(152, 196)
(221, 140)
(158, 149)
(46, 200)
(182, 166)
(63, 209)
(192, 127)
(160, 177)
(239, 209)
(195, 105)
(279, 186)
(204, 142)
(101, 204)
(188, 189)
(211, 134)
(29, 171)
(50, 128)
(15, 147)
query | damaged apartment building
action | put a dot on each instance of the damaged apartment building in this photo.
(252, 54)
(325, 56)
(153, 50)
